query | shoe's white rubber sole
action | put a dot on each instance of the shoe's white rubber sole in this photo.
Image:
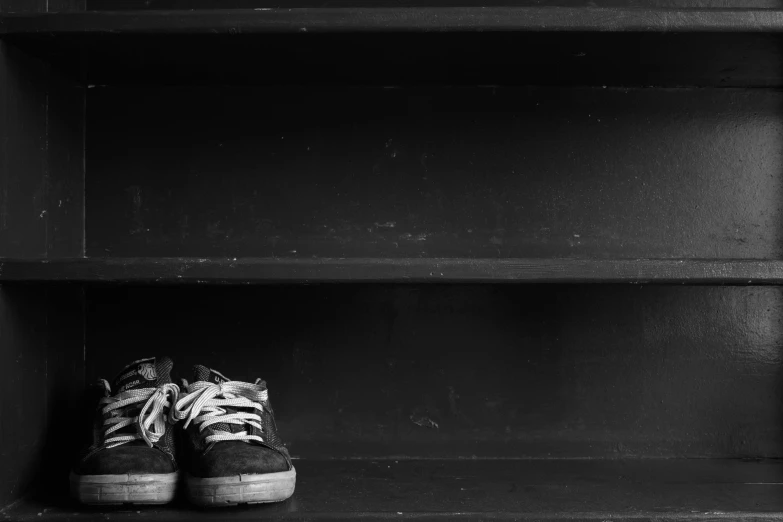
(124, 489)
(241, 489)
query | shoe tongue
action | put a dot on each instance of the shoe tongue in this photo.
(144, 373)
(202, 373)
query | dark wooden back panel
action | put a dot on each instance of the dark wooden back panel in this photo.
(41, 159)
(42, 360)
(434, 172)
(486, 370)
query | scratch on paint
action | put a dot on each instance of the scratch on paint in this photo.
(134, 192)
(424, 422)
(410, 237)
(4, 208)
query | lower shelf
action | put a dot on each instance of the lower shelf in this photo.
(595, 490)
(259, 270)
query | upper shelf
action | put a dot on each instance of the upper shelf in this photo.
(392, 19)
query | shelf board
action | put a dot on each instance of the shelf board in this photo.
(249, 270)
(421, 19)
(595, 490)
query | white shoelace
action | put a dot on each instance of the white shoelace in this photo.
(205, 402)
(151, 421)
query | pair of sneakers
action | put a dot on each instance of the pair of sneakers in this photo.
(227, 447)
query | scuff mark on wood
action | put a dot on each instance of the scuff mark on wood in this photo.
(4, 208)
(423, 420)
(137, 224)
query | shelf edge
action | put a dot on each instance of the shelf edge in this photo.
(250, 270)
(416, 19)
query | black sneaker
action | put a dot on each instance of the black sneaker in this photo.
(232, 454)
(132, 456)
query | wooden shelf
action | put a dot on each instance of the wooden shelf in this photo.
(249, 270)
(326, 19)
(468, 490)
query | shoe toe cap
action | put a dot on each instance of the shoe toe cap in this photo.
(230, 458)
(126, 460)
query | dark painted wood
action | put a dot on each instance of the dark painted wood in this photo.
(64, 379)
(411, 58)
(119, 5)
(42, 158)
(42, 357)
(22, 6)
(276, 270)
(24, 418)
(505, 371)
(23, 112)
(41, 215)
(328, 19)
(435, 172)
(642, 491)
(63, 203)
(41, 6)
(58, 6)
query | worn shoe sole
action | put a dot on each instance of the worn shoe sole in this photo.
(124, 489)
(241, 489)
